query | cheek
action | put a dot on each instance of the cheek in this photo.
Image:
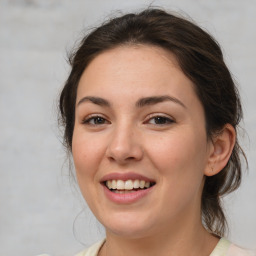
(178, 154)
(86, 154)
(179, 160)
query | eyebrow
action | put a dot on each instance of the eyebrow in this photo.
(147, 101)
(157, 99)
(96, 100)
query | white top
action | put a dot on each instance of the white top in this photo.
(223, 248)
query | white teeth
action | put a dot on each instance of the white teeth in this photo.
(109, 184)
(136, 184)
(142, 183)
(113, 184)
(147, 184)
(120, 184)
(127, 185)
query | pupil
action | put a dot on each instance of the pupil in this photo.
(99, 120)
(160, 120)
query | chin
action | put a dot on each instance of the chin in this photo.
(131, 232)
(128, 225)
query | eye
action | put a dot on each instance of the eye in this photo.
(160, 120)
(95, 120)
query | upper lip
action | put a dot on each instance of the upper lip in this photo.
(125, 176)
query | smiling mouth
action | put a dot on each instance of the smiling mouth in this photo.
(127, 186)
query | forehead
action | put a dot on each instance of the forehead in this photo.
(136, 70)
(128, 56)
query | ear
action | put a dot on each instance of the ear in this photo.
(220, 150)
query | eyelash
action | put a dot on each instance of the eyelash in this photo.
(87, 120)
(157, 118)
(167, 120)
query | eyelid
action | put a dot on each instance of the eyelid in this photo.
(86, 119)
(162, 115)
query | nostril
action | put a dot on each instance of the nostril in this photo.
(130, 158)
(124, 147)
(123, 157)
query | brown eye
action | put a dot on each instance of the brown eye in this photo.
(160, 120)
(95, 120)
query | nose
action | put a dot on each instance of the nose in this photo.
(124, 145)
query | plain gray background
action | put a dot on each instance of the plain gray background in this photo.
(39, 204)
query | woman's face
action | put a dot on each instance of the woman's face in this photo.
(138, 122)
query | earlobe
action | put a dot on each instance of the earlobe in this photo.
(221, 150)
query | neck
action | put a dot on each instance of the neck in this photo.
(196, 242)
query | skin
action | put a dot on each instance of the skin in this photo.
(175, 153)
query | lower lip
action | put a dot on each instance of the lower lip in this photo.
(126, 198)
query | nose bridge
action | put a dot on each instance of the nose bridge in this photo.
(124, 143)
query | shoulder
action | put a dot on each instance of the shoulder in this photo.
(234, 250)
(93, 250)
(226, 248)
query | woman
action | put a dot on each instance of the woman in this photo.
(150, 113)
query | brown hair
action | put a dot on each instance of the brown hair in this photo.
(201, 60)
